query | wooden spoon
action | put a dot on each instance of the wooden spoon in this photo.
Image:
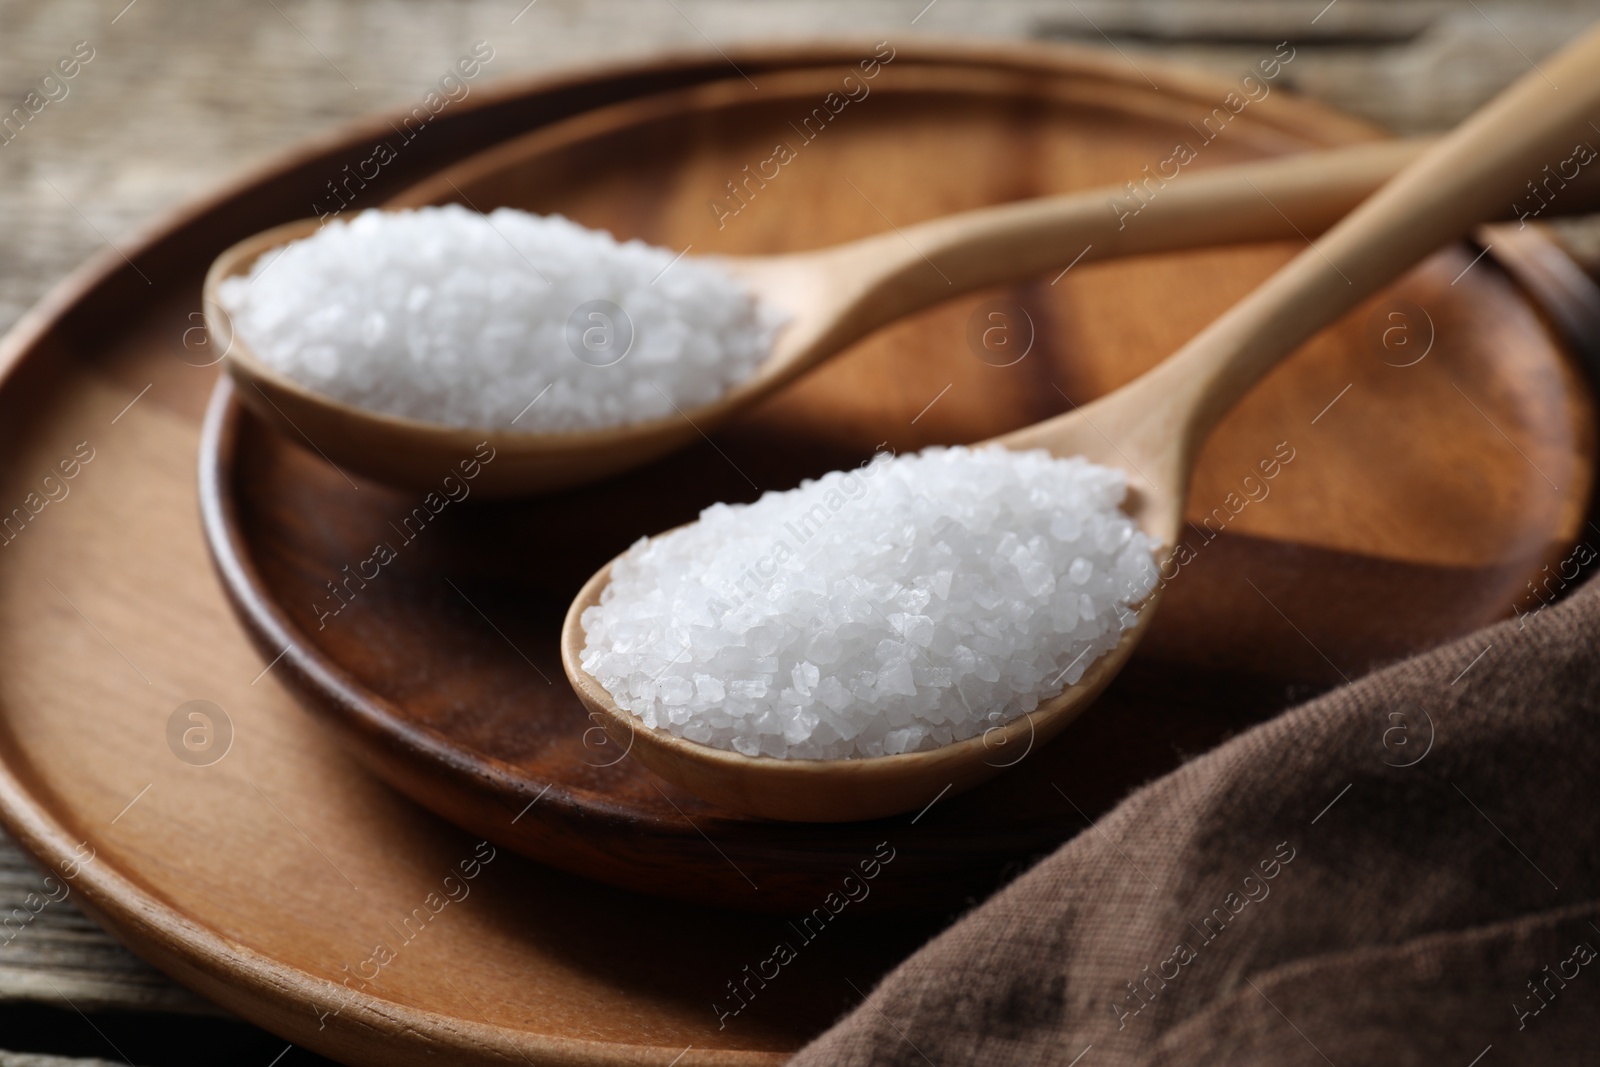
(1153, 429)
(834, 296)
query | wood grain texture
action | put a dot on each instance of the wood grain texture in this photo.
(182, 96)
(49, 950)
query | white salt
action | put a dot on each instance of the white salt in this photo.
(449, 316)
(905, 605)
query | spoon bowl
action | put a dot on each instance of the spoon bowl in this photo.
(410, 452)
(1152, 429)
(842, 790)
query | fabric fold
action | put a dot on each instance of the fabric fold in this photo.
(1401, 871)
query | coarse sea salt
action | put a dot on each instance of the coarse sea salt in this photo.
(449, 316)
(907, 604)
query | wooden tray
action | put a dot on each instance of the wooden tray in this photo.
(266, 879)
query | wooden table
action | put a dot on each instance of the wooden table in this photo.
(173, 99)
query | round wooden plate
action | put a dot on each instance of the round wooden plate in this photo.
(442, 671)
(239, 847)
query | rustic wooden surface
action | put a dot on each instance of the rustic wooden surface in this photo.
(180, 97)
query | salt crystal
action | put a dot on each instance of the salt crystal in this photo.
(936, 597)
(487, 321)
(709, 689)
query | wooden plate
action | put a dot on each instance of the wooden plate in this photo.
(442, 672)
(294, 888)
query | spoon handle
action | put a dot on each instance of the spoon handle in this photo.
(1544, 124)
(1223, 205)
(879, 279)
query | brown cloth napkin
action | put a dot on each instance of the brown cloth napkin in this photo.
(1403, 871)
